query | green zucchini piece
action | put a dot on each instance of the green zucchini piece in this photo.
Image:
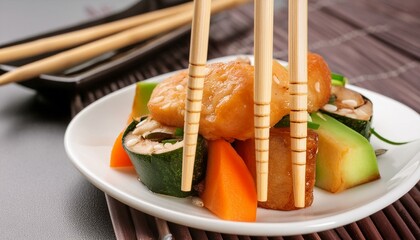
(162, 172)
(285, 123)
(345, 158)
(141, 98)
(357, 117)
(361, 126)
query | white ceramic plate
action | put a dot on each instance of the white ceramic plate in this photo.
(90, 136)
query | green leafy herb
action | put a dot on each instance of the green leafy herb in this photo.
(338, 79)
(376, 134)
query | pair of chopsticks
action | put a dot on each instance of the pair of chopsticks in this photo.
(98, 40)
(263, 51)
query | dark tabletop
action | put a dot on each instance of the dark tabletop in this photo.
(375, 43)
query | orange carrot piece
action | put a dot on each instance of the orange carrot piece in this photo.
(119, 158)
(229, 189)
(247, 152)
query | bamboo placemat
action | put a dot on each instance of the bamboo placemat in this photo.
(374, 43)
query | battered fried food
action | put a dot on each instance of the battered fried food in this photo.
(228, 106)
(280, 179)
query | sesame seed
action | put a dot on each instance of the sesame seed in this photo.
(345, 111)
(351, 115)
(330, 108)
(361, 114)
(206, 71)
(349, 102)
(157, 99)
(141, 123)
(317, 87)
(132, 142)
(167, 105)
(137, 131)
(158, 147)
(179, 87)
(276, 79)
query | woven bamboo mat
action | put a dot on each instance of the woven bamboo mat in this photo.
(374, 43)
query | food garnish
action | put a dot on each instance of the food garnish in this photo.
(338, 79)
(380, 137)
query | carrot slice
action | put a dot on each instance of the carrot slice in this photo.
(119, 158)
(229, 189)
(246, 150)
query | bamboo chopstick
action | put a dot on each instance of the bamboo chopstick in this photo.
(298, 75)
(78, 37)
(85, 52)
(197, 73)
(263, 51)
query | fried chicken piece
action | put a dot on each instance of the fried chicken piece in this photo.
(228, 105)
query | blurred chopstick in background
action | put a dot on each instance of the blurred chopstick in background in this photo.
(153, 25)
(78, 37)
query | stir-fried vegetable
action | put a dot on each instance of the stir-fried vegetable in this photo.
(345, 158)
(351, 108)
(229, 189)
(141, 98)
(285, 123)
(338, 79)
(119, 157)
(156, 154)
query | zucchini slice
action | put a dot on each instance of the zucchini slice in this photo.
(345, 159)
(350, 108)
(156, 153)
(285, 123)
(141, 98)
